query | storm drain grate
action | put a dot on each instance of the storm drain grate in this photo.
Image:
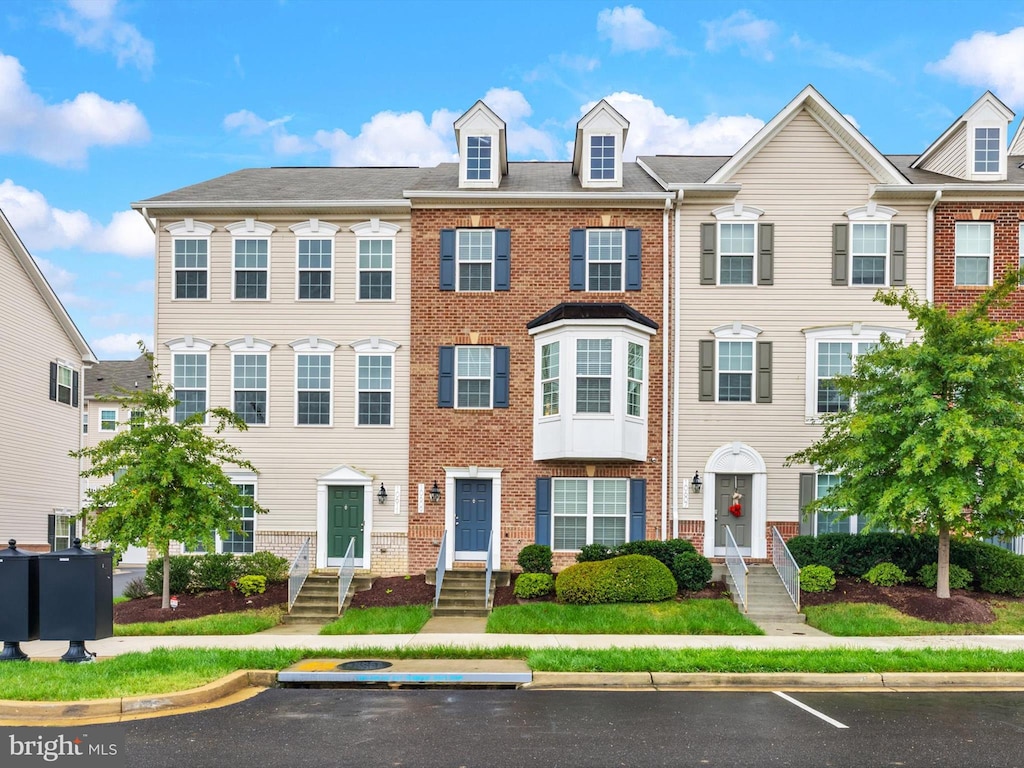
(364, 665)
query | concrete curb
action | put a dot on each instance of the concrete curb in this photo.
(847, 681)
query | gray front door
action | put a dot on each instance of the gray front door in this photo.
(725, 488)
(472, 519)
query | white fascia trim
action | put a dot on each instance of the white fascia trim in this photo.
(250, 227)
(375, 344)
(190, 228)
(650, 172)
(190, 343)
(736, 330)
(376, 228)
(949, 190)
(717, 190)
(587, 325)
(477, 195)
(313, 344)
(249, 344)
(229, 204)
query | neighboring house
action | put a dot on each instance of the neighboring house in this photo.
(283, 293)
(42, 360)
(537, 350)
(104, 417)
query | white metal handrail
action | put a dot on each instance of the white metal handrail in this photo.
(786, 565)
(487, 583)
(440, 568)
(346, 571)
(298, 572)
(737, 567)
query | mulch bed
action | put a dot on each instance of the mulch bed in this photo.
(201, 604)
(962, 607)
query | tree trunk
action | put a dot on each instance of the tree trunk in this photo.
(165, 603)
(942, 582)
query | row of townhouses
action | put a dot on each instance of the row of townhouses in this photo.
(470, 358)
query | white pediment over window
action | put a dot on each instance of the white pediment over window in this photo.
(250, 227)
(190, 228)
(871, 212)
(737, 212)
(375, 228)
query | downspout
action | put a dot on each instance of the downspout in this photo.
(930, 249)
(665, 295)
(675, 371)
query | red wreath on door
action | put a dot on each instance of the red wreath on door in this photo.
(735, 509)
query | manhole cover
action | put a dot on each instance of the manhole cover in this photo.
(364, 665)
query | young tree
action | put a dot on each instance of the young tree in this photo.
(934, 438)
(169, 480)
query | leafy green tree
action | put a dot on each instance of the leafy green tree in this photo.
(169, 481)
(934, 440)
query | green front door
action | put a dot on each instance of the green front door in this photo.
(344, 519)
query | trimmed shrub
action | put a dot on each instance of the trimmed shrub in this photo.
(995, 569)
(817, 578)
(886, 575)
(215, 571)
(529, 585)
(626, 579)
(265, 564)
(535, 558)
(665, 551)
(136, 589)
(959, 578)
(251, 585)
(692, 571)
(181, 574)
(593, 553)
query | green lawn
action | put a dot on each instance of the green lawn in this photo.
(238, 623)
(400, 620)
(872, 620)
(690, 617)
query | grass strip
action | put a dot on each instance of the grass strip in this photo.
(691, 617)
(873, 620)
(237, 623)
(398, 620)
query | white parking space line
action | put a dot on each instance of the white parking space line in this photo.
(814, 712)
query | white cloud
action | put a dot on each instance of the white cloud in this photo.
(576, 63)
(121, 345)
(522, 138)
(63, 283)
(826, 57)
(988, 60)
(629, 29)
(63, 133)
(751, 34)
(44, 228)
(654, 131)
(93, 24)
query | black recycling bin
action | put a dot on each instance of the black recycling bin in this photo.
(76, 598)
(19, 600)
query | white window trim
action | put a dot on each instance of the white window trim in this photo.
(60, 513)
(194, 346)
(854, 523)
(737, 213)
(249, 345)
(236, 478)
(616, 180)
(314, 229)
(991, 255)
(459, 261)
(116, 419)
(490, 175)
(1020, 245)
(375, 229)
(70, 386)
(456, 377)
(972, 139)
(590, 508)
(622, 261)
(854, 333)
(250, 229)
(541, 381)
(313, 345)
(380, 348)
(737, 331)
(190, 229)
(872, 213)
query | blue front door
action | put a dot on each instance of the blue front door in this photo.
(472, 519)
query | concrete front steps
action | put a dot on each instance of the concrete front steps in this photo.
(768, 602)
(462, 592)
(317, 602)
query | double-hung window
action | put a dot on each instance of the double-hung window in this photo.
(251, 264)
(605, 259)
(250, 386)
(316, 268)
(376, 268)
(974, 253)
(108, 420)
(375, 389)
(190, 377)
(738, 248)
(602, 158)
(473, 382)
(986, 150)
(593, 376)
(475, 259)
(830, 520)
(65, 377)
(735, 366)
(634, 379)
(736, 251)
(191, 268)
(869, 248)
(589, 511)
(313, 388)
(242, 542)
(549, 367)
(836, 358)
(478, 158)
(735, 371)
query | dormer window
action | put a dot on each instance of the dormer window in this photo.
(602, 158)
(986, 150)
(478, 158)
(597, 152)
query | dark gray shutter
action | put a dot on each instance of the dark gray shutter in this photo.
(74, 388)
(542, 511)
(502, 259)
(51, 530)
(72, 530)
(708, 254)
(447, 259)
(707, 370)
(53, 381)
(446, 377)
(637, 509)
(898, 255)
(765, 254)
(808, 490)
(577, 259)
(764, 372)
(501, 365)
(840, 253)
(632, 259)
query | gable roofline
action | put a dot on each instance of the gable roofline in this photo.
(601, 106)
(988, 98)
(481, 106)
(832, 121)
(1017, 144)
(8, 233)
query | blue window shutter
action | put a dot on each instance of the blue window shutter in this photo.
(632, 259)
(502, 259)
(53, 381)
(637, 509)
(74, 389)
(446, 377)
(542, 515)
(501, 364)
(577, 259)
(447, 259)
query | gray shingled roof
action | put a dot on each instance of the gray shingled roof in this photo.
(106, 377)
(253, 185)
(684, 169)
(537, 177)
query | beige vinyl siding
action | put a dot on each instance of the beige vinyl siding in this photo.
(289, 457)
(951, 159)
(38, 475)
(804, 181)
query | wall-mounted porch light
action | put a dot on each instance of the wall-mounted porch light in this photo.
(382, 494)
(696, 483)
(435, 493)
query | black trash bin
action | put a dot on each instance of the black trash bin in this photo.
(19, 600)
(76, 598)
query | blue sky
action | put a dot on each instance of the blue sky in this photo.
(106, 102)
